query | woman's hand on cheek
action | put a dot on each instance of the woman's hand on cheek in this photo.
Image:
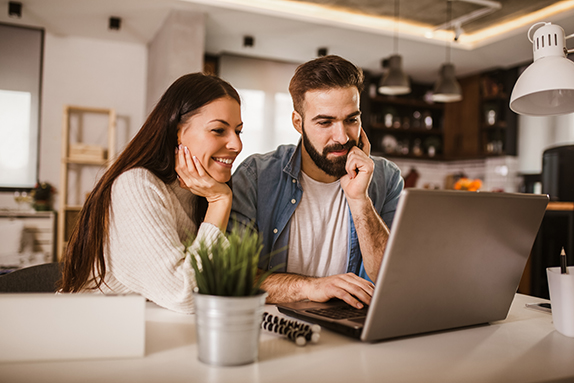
(194, 177)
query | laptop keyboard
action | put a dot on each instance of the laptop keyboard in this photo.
(340, 312)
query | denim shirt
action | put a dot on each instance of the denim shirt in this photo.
(267, 190)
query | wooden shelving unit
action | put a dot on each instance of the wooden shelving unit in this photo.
(402, 126)
(498, 123)
(479, 126)
(79, 154)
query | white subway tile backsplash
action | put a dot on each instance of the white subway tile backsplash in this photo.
(496, 173)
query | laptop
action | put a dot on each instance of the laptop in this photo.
(453, 259)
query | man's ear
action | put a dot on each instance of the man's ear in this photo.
(297, 122)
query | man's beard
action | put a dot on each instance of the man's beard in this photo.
(335, 167)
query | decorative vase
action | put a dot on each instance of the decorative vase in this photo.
(228, 328)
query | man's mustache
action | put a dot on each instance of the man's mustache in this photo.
(339, 147)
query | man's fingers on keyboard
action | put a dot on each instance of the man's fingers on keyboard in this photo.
(350, 300)
(367, 286)
(360, 288)
(353, 295)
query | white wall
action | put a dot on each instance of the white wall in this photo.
(177, 49)
(87, 72)
(266, 105)
(536, 134)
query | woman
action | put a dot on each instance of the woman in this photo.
(168, 185)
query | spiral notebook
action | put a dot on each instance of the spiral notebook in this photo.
(453, 259)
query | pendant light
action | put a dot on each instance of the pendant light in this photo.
(546, 87)
(395, 81)
(447, 88)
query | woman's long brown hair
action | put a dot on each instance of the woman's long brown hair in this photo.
(152, 148)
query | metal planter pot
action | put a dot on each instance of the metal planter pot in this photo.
(228, 328)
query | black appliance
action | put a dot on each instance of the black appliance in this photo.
(558, 173)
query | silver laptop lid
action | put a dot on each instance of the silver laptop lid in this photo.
(453, 259)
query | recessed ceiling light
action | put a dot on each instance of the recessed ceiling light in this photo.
(115, 23)
(15, 9)
(248, 41)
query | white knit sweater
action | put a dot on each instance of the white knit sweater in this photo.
(149, 221)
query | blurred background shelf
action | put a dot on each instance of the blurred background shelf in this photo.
(81, 131)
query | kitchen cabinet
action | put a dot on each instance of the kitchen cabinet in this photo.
(402, 126)
(498, 122)
(462, 122)
(411, 126)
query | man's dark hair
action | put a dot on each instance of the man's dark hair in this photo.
(323, 73)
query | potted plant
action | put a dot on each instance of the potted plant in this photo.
(42, 196)
(229, 303)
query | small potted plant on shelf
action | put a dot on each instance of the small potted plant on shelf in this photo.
(229, 303)
(43, 196)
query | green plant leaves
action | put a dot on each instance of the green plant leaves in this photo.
(228, 267)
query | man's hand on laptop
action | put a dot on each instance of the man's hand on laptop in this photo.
(287, 287)
(349, 287)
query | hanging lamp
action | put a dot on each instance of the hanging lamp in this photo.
(546, 87)
(395, 81)
(447, 88)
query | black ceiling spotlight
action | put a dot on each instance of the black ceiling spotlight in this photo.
(322, 52)
(115, 23)
(14, 9)
(248, 41)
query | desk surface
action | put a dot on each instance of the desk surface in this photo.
(561, 206)
(523, 348)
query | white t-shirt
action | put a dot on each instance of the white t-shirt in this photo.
(319, 230)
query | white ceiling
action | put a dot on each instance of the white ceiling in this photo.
(278, 35)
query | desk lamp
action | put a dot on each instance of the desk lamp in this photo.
(546, 87)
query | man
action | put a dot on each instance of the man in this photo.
(324, 206)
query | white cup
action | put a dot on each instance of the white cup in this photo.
(561, 288)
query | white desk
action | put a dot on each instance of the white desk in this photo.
(523, 348)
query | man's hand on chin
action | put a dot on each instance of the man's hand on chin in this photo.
(360, 169)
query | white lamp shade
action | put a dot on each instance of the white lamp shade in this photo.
(446, 88)
(395, 81)
(546, 87)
